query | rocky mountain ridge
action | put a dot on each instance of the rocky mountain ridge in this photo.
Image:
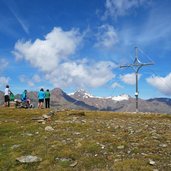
(124, 103)
(83, 100)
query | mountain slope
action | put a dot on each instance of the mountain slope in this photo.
(124, 103)
(108, 103)
(62, 100)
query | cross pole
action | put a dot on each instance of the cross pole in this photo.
(136, 66)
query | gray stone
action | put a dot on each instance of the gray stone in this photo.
(151, 162)
(51, 113)
(28, 159)
(15, 146)
(45, 116)
(49, 128)
(163, 145)
(63, 159)
(120, 147)
(40, 121)
(37, 118)
(73, 164)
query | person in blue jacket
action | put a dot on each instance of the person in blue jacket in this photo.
(24, 96)
(41, 97)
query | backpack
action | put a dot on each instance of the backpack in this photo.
(12, 96)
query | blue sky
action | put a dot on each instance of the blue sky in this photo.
(81, 44)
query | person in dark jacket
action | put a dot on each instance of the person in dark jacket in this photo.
(47, 99)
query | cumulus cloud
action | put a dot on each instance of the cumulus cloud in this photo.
(48, 53)
(4, 81)
(52, 57)
(106, 37)
(82, 74)
(115, 8)
(129, 78)
(163, 84)
(116, 85)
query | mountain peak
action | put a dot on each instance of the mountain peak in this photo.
(81, 93)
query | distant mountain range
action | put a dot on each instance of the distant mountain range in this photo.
(83, 100)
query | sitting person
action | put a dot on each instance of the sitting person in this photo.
(25, 100)
(24, 96)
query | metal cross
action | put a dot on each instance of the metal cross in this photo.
(136, 66)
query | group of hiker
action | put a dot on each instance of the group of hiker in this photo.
(43, 96)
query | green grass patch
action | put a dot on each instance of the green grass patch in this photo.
(96, 141)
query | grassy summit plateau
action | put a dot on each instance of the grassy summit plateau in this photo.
(85, 140)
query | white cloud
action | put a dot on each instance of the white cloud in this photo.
(129, 78)
(106, 37)
(115, 8)
(82, 74)
(116, 85)
(48, 53)
(52, 57)
(163, 84)
(4, 81)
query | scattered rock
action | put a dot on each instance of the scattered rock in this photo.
(98, 130)
(29, 159)
(76, 133)
(63, 159)
(15, 146)
(45, 116)
(49, 128)
(120, 147)
(73, 164)
(163, 145)
(51, 113)
(151, 162)
(83, 121)
(37, 118)
(40, 121)
(27, 134)
(102, 146)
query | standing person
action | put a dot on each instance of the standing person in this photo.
(7, 96)
(41, 96)
(47, 98)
